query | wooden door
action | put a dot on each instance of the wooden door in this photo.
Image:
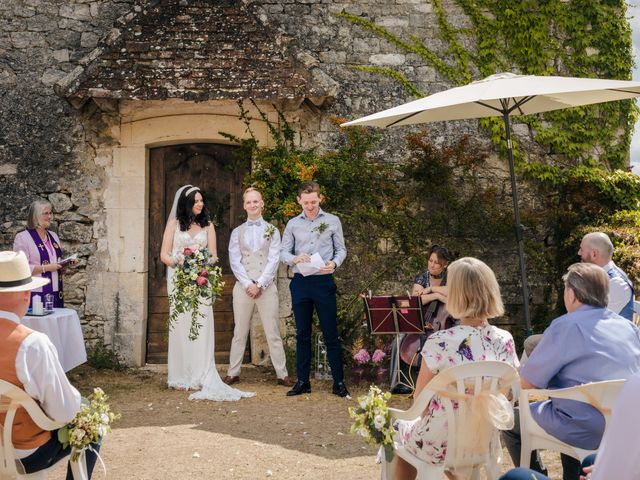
(212, 168)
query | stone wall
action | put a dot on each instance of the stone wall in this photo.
(50, 150)
(47, 148)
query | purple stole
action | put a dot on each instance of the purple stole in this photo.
(45, 260)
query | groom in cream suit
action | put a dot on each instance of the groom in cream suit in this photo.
(254, 254)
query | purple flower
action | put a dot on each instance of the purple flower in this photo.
(378, 356)
(509, 346)
(362, 357)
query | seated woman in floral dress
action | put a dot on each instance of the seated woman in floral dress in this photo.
(474, 298)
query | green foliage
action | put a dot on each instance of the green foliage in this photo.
(101, 356)
(584, 188)
(582, 38)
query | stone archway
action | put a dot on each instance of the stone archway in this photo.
(144, 125)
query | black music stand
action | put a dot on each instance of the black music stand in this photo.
(394, 315)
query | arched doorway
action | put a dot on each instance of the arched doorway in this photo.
(213, 168)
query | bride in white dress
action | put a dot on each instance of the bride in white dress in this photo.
(192, 363)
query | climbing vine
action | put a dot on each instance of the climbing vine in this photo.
(580, 183)
(579, 38)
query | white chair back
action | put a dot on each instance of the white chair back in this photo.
(12, 398)
(601, 395)
(455, 386)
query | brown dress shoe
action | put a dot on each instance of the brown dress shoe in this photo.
(230, 380)
(286, 381)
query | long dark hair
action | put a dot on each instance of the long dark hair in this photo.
(184, 211)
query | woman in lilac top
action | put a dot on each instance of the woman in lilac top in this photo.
(42, 248)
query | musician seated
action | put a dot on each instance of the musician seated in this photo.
(474, 298)
(431, 284)
(431, 287)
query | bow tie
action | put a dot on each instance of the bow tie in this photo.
(254, 223)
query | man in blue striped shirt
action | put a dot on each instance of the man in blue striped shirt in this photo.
(314, 231)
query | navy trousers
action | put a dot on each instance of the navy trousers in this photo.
(316, 292)
(52, 452)
(511, 438)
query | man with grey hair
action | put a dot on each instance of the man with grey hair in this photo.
(590, 343)
(596, 247)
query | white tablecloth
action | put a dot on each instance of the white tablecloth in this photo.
(63, 329)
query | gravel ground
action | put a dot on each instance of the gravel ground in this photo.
(162, 435)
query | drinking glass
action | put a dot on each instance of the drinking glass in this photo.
(48, 301)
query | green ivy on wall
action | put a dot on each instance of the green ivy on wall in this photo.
(582, 38)
(580, 184)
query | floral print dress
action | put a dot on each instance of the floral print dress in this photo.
(426, 437)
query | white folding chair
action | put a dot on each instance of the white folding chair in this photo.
(12, 398)
(600, 395)
(471, 378)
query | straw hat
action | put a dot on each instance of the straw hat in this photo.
(15, 273)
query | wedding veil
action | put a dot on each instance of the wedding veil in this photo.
(174, 207)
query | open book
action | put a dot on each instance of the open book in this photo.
(69, 259)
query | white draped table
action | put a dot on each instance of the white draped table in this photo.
(63, 329)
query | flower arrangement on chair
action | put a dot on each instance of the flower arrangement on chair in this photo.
(196, 280)
(90, 425)
(372, 420)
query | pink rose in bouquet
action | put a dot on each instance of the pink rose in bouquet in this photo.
(187, 251)
(204, 273)
(201, 281)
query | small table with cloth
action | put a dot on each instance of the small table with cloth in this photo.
(64, 330)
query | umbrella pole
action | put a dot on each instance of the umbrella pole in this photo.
(518, 227)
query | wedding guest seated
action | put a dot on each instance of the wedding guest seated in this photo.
(474, 298)
(29, 360)
(619, 453)
(431, 286)
(42, 248)
(597, 248)
(588, 344)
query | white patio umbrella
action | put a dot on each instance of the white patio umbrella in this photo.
(505, 94)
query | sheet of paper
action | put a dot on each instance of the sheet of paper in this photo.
(69, 259)
(311, 267)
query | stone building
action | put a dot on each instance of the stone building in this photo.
(108, 105)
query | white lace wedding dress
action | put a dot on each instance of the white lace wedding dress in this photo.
(192, 364)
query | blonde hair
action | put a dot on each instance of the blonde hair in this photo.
(34, 212)
(252, 189)
(473, 290)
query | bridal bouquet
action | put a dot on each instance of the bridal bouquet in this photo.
(372, 420)
(91, 424)
(196, 280)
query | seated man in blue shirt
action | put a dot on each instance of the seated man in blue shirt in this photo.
(588, 344)
(314, 232)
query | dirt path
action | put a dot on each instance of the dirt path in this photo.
(162, 435)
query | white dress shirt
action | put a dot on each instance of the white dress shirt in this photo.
(619, 291)
(43, 378)
(253, 239)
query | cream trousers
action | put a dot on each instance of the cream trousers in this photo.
(243, 307)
